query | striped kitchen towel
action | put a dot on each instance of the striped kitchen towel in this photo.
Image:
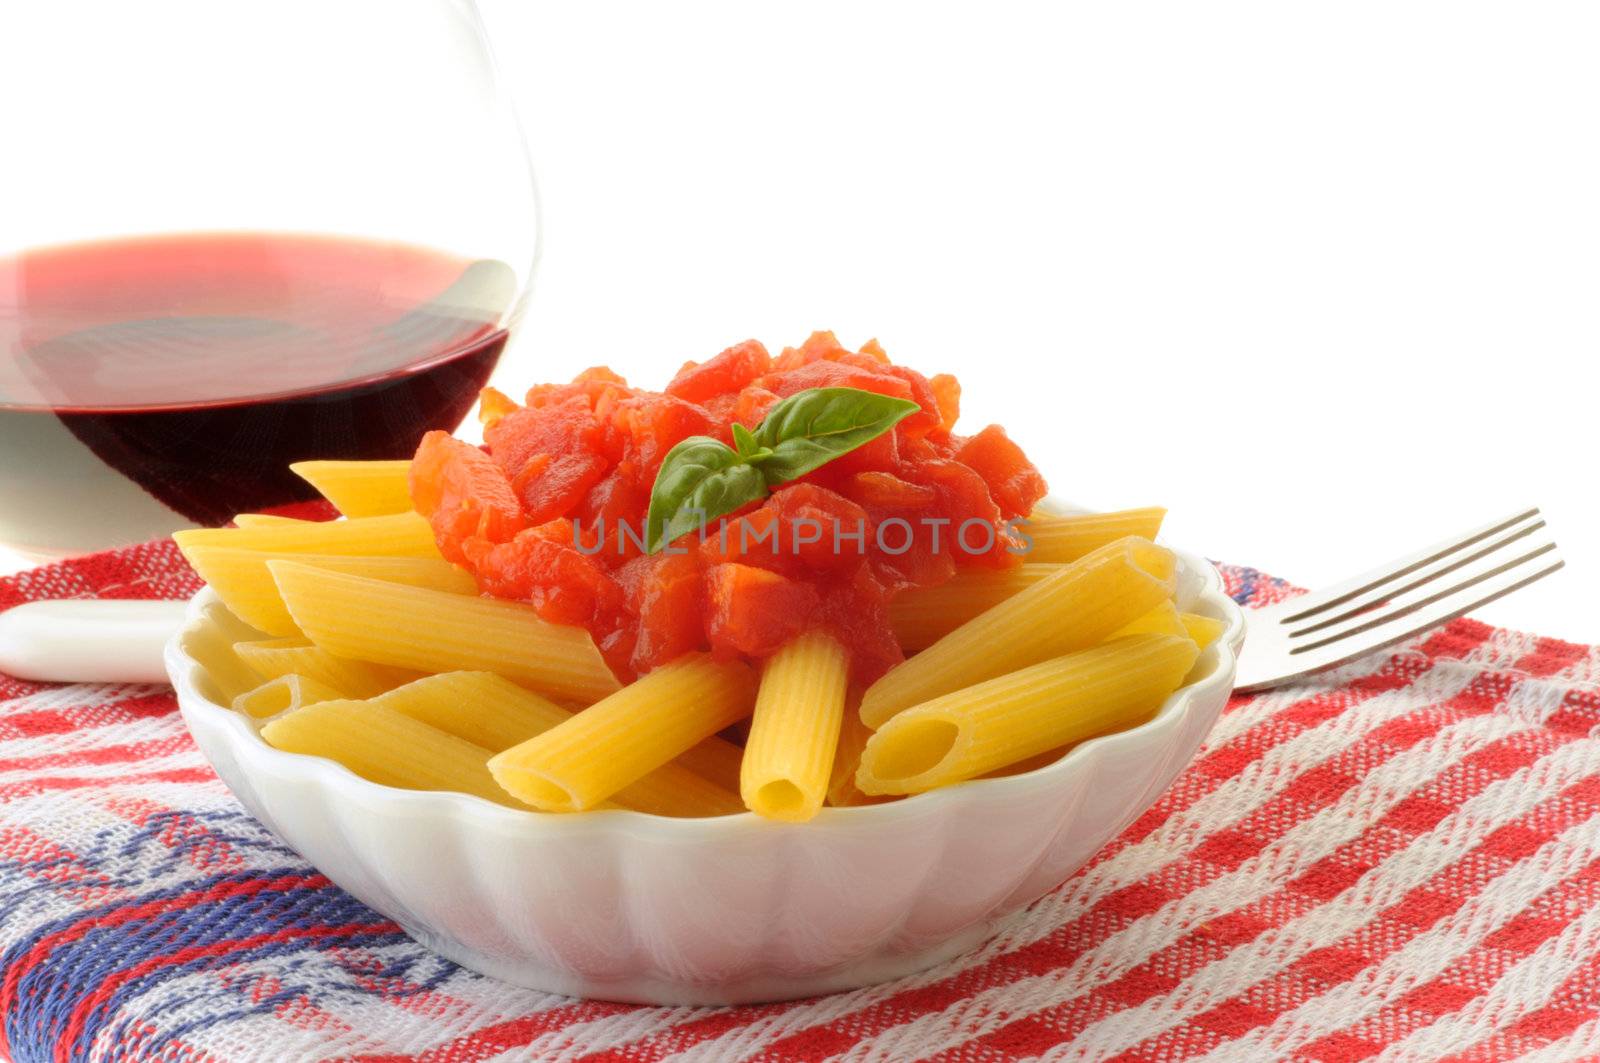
(1401, 861)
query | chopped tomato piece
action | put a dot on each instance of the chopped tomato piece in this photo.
(855, 608)
(608, 517)
(1013, 481)
(728, 372)
(885, 490)
(654, 426)
(564, 585)
(753, 539)
(821, 529)
(494, 404)
(947, 393)
(664, 592)
(463, 493)
(753, 611)
(550, 454)
(874, 350)
(752, 406)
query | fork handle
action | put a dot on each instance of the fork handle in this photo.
(88, 640)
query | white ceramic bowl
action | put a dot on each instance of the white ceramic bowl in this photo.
(628, 906)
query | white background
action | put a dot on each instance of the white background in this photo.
(1322, 279)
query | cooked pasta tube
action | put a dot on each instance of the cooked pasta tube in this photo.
(491, 711)
(220, 662)
(1074, 607)
(1060, 539)
(436, 631)
(242, 581)
(283, 694)
(360, 488)
(922, 616)
(1203, 629)
(380, 744)
(396, 535)
(853, 734)
(624, 737)
(1024, 713)
(794, 729)
(717, 760)
(271, 658)
(264, 520)
(1162, 620)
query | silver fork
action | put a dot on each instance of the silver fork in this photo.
(1393, 602)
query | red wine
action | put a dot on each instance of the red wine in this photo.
(152, 382)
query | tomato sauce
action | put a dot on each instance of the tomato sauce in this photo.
(552, 510)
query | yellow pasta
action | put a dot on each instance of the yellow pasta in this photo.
(1024, 713)
(716, 760)
(1074, 607)
(265, 520)
(486, 709)
(624, 737)
(397, 535)
(242, 580)
(853, 734)
(216, 652)
(271, 658)
(493, 712)
(1058, 540)
(1203, 629)
(380, 744)
(283, 694)
(1027, 764)
(795, 728)
(436, 631)
(360, 488)
(1162, 620)
(922, 616)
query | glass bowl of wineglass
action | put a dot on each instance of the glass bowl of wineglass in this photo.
(241, 235)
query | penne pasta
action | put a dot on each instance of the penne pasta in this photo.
(380, 744)
(264, 520)
(398, 535)
(242, 580)
(1203, 629)
(219, 659)
(716, 760)
(283, 694)
(493, 712)
(1072, 608)
(485, 709)
(1062, 539)
(1162, 620)
(360, 488)
(1027, 764)
(435, 631)
(853, 734)
(794, 729)
(271, 658)
(1024, 713)
(924, 615)
(629, 734)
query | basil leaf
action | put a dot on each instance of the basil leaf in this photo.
(746, 445)
(811, 428)
(700, 480)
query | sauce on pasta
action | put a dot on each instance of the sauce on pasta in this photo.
(553, 511)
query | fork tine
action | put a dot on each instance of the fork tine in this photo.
(1358, 604)
(1329, 597)
(1407, 620)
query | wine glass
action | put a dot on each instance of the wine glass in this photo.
(241, 235)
